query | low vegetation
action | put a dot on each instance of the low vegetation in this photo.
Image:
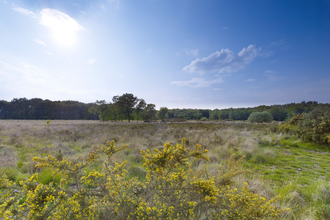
(280, 164)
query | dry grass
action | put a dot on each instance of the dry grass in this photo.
(22, 140)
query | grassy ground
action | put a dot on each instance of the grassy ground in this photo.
(281, 165)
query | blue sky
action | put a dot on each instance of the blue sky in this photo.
(174, 53)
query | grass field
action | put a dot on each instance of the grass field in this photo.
(280, 164)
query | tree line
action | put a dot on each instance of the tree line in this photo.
(36, 108)
(129, 107)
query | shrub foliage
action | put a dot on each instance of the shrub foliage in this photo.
(260, 117)
(171, 189)
(314, 126)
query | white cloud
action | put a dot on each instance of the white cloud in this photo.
(55, 19)
(48, 53)
(24, 11)
(103, 7)
(40, 42)
(192, 52)
(197, 82)
(250, 80)
(223, 61)
(91, 61)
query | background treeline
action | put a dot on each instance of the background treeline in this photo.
(279, 112)
(36, 108)
(130, 107)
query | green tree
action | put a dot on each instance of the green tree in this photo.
(214, 114)
(149, 113)
(223, 114)
(99, 108)
(260, 117)
(125, 103)
(139, 107)
(162, 113)
(278, 114)
(232, 114)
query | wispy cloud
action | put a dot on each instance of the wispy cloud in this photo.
(91, 61)
(223, 61)
(265, 54)
(55, 19)
(115, 3)
(272, 76)
(103, 7)
(224, 28)
(40, 42)
(197, 82)
(192, 52)
(250, 80)
(24, 11)
(48, 53)
(27, 73)
(276, 43)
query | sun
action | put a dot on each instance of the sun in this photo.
(62, 26)
(64, 36)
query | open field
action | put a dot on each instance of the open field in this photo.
(280, 164)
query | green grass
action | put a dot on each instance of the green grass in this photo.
(297, 173)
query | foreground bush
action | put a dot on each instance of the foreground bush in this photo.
(171, 189)
(260, 117)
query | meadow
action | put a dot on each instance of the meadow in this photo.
(280, 163)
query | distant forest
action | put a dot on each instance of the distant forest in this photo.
(128, 106)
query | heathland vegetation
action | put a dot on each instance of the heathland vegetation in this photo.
(182, 169)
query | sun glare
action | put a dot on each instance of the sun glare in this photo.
(64, 36)
(63, 27)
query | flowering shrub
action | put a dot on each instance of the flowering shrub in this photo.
(314, 126)
(290, 125)
(171, 189)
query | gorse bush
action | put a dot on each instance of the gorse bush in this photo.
(314, 127)
(170, 190)
(260, 117)
(290, 125)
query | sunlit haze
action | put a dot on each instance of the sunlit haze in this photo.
(177, 53)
